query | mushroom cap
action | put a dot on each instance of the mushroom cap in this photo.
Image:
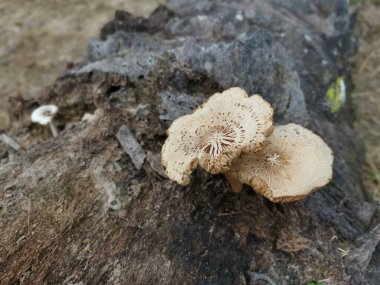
(44, 114)
(228, 124)
(294, 163)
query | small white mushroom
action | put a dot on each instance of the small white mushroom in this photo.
(44, 115)
(227, 125)
(293, 164)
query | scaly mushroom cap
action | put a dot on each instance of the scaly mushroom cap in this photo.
(228, 124)
(44, 114)
(294, 163)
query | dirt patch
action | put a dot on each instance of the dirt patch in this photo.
(366, 75)
(40, 37)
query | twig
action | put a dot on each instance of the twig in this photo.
(131, 146)
(344, 252)
(260, 276)
(228, 214)
(10, 142)
(29, 210)
(113, 177)
(334, 238)
(326, 280)
(208, 244)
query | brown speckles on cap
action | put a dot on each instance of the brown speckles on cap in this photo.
(228, 124)
(293, 164)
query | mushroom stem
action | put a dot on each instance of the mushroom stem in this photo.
(236, 185)
(53, 129)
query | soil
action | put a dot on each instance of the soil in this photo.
(366, 75)
(40, 37)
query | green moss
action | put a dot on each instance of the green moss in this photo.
(336, 95)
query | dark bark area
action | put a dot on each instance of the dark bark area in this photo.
(78, 209)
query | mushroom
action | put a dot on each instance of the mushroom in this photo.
(44, 115)
(228, 124)
(294, 163)
(233, 178)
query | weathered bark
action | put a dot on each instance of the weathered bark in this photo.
(76, 210)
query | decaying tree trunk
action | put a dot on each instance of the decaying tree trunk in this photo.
(92, 206)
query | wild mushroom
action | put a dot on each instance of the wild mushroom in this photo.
(44, 115)
(228, 124)
(294, 163)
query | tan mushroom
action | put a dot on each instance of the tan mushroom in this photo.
(228, 124)
(235, 183)
(294, 163)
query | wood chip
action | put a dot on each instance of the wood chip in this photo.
(154, 160)
(131, 146)
(10, 142)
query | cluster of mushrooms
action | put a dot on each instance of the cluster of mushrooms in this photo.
(233, 134)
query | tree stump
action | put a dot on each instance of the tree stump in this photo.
(93, 206)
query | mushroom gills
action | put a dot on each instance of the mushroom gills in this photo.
(295, 163)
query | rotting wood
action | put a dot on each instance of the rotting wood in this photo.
(74, 209)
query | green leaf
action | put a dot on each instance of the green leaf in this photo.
(336, 95)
